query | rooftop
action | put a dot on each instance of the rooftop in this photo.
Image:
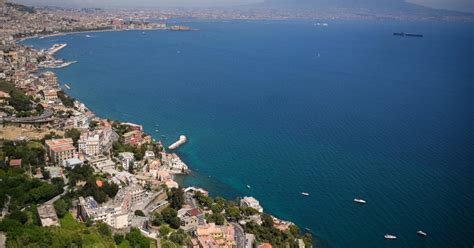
(15, 163)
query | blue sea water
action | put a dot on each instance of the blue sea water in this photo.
(341, 112)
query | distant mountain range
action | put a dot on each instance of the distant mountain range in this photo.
(378, 6)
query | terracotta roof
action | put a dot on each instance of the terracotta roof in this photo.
(195, 212)
(4, 94)
(99, 183)
(15, 163)
(265, 245)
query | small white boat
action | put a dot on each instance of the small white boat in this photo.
(389, 236)
(421, 233)
(357, 200)
(248, 186)
(88, 36)
(157, 130)
(305, 194)
(67, 86)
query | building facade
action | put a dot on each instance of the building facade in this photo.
(59, 150)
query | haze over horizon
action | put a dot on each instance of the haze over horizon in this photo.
(457, 5)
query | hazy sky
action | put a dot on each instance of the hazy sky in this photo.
(463, 5)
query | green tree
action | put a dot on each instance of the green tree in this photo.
(178, 237)
(232, 213)
(216, 218)
(169, 244)
(103, 229)
(176, 197)
(65, 99)
(110, 189)
(157, 219)
(139, 213)
(136, 239)
(74, 134)
(18, 216)
(168, 214)
(267, 220)
(294, 230)
(175, 222)
(204, 201)
(164, 230)
(61, 207)
(46, 175)
(118, 238)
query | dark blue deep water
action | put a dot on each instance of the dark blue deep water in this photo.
(343, 111)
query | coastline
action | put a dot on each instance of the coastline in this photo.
(93, 32)
(279, 222)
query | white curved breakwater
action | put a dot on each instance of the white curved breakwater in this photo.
(177, 144)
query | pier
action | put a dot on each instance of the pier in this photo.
(175, 145)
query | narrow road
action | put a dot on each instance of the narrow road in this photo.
(239, 235)
(5, 207)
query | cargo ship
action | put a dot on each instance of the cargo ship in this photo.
(407, 34)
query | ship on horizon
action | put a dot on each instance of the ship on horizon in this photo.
(407, 34)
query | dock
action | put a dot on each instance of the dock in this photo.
(177, 144)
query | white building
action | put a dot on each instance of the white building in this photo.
(149, 154)
(112, 216)
(127, 159)
(80, 120)
(250, 201)
(72, 162)
(89, 144)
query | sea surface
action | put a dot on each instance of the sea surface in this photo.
(341, 112)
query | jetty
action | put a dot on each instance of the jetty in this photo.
(175, 145)
(55, 48)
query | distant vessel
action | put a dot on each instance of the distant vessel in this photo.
(360, 201)
(321, 24)
(88, 36)
(407, 34)
(157, 130)
(421, 233)
(389, 236)
(67, 86)
(248, 186)
(305, 194)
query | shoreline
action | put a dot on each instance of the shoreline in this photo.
(36, 36)
(182, 139)
(173, 150)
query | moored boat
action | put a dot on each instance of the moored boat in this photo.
(305, 194)
(421, 233)
(357, 200)
(390, 236)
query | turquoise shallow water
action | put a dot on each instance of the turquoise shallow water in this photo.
(340, 112)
